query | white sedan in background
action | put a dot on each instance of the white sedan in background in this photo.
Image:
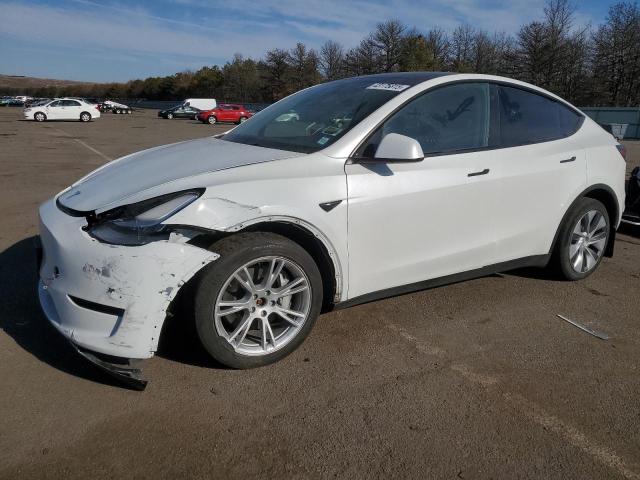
(62, 109)
(375, 186)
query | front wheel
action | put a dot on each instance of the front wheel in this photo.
(258, 301)
(583, 239)
(212, 120)
(169, 116)
(39, 117)
(242, 119)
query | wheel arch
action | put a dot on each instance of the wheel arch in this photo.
(304, 234)
(604, 194)
(315, 246)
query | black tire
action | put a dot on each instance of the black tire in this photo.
(85, 117)
(169, 116)
(235, 251)
(561, 261)
(212, 120)
(39, 117)
(242, 119)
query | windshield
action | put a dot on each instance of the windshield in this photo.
(315, 118)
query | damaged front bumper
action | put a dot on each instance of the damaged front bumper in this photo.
(110, 299)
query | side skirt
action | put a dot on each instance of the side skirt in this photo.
(532, 261)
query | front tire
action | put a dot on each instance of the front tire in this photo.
(582, 239)
(169, 116)
(258, 302)
(39, 117)
(85, 117)
(212, 120)
(242, 120)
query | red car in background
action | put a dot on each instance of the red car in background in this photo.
(225, 112)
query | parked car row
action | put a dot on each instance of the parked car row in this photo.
(86, 109)
(19, 101)
(219, 113)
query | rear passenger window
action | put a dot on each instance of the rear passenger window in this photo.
(526, 118)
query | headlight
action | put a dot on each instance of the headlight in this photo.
(142, 222)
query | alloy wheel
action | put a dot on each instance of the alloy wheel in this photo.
(263, 305)
(588, 241)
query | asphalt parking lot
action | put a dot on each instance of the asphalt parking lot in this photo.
(474, 380)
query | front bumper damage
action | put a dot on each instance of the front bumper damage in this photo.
(110, 301)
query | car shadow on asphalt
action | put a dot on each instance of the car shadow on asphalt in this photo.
(22, 320)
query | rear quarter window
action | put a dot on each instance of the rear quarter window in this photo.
(526, 117)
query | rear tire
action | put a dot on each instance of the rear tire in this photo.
(242, 120)
(268, 336)
(582, 239)
(85, 117)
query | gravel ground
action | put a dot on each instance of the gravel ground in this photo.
(474, 380)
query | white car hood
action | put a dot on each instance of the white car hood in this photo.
(114, 182)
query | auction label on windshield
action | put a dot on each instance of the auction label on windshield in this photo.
(394, 87)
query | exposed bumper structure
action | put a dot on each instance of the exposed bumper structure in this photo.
(105, 298)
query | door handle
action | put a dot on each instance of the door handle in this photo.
(567, 160)
(475, 174)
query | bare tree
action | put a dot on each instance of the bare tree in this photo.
(364, 59)
(462, 48)
(616, 57)
(387, 40)
(275, 69)
(304, 65)
(332, 60)
(438, 46)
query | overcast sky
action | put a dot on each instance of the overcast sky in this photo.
(122, 40)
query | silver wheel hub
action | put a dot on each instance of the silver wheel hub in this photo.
(263, 305)
(588, 240)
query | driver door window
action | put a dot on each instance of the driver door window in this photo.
(450, 119)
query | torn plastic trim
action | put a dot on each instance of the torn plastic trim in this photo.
(125, 370)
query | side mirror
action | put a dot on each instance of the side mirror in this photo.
(399, 148)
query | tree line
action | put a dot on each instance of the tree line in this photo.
(587, 65)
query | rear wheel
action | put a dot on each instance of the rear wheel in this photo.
(85, 117)
(258, 301)
(583, 239)
(212, 120)
(242, 119)
(39, 117)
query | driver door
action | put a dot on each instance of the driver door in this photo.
(410, 222)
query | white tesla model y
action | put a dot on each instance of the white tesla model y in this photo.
(377, 186)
